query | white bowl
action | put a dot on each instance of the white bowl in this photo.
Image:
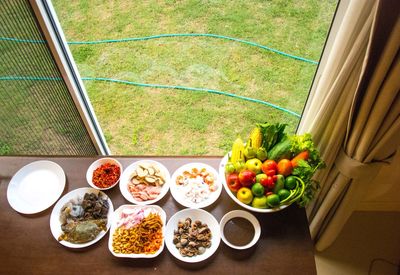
(194, 214)
(96, 164)
(233, 196)
(147, 210)
(55, 224)
(126, 177)
(240, 214)
(178, 192)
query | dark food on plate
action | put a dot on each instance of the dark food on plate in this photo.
(82, 219)
(239, 231)
(192, 238)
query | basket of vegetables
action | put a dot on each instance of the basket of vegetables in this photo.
(272, 169)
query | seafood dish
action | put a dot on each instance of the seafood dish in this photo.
(195, 185)
(192, 237)
(83, 218)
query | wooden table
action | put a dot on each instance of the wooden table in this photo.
(27, 245)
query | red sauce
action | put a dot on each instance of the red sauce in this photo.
(106, 175)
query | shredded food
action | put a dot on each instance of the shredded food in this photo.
(106, 175)
(143, 238)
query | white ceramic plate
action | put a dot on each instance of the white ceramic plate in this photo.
(178, 191)
(127, 174)
(241, 214)
(96, 164)
(233, 196)
(55, 224)
(133, 208)
(194, 214)
(36, 186)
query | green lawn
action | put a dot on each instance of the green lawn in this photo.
(154, 121)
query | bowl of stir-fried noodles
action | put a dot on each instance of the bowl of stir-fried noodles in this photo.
(137, 231)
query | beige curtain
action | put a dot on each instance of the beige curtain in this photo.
(354, 112)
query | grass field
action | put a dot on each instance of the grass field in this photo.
(154, 121)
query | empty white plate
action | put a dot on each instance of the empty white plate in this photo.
(36, 186)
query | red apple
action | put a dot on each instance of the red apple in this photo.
(247, 178)
(232, 180)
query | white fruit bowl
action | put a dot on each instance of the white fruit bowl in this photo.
(233, 195)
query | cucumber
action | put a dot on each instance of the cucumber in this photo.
(281, 150)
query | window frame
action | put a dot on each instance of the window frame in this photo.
(55, 38)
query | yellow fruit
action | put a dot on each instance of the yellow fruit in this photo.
(256, 138)
(237, 150)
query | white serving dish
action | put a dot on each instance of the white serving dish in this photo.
(178, 191)
(194, 214)
(55, 224)
(147, 209)
(36, 186)
(127, 174)
(233, 197)
(240, 214)
(96, 164)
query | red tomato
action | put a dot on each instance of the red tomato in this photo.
(233, 182)
(268, 183)
(271, 172)
(267, 165)
(285, 167)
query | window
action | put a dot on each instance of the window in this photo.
(187, 77)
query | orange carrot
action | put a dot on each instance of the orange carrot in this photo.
(302, 155)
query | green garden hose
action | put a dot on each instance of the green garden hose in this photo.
(167, 36)
(34, 78)
(17, 40)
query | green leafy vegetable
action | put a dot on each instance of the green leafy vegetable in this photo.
(272, 134)
(304, 142)
(307, 168)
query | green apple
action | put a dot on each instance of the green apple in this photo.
(254, 165)
(245, 195)
(258, 189)
(259, 202)
(259, 177)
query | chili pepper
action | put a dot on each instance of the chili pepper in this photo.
(106, 175)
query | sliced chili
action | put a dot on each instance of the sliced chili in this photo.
(106, 175)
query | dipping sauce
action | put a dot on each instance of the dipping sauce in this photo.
(239, 231)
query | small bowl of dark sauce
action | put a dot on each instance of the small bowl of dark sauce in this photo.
(240, 229)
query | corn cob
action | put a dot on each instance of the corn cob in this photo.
(256, 138)
(237, 150)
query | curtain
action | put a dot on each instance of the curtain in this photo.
(354, 114)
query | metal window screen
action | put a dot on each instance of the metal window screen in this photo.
(37, 113)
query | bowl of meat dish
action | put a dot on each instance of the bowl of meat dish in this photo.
(144, 182)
